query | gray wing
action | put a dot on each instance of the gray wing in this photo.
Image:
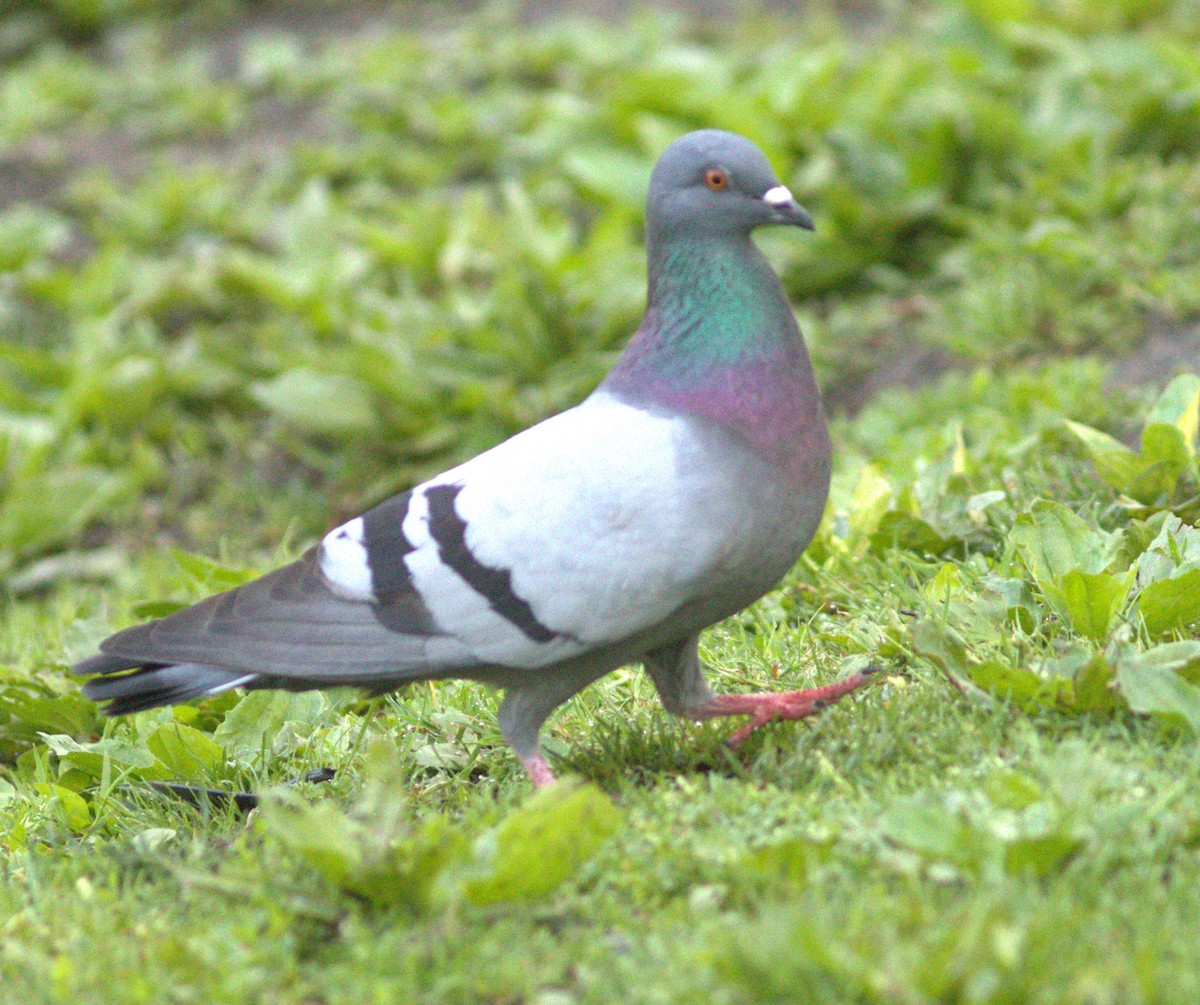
(289, 622)
(561, 541)
(287, 629)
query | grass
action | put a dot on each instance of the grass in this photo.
(255, 278)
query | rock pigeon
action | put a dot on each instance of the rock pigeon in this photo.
(680, 491)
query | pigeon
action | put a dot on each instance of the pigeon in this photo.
(676, 494)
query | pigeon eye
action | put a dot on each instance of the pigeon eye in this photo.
(716, 179)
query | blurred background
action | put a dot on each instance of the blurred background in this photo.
(262, 264)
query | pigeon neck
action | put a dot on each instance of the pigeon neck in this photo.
(719, 300)
(719, 341)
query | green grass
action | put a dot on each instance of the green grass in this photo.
(245, 295)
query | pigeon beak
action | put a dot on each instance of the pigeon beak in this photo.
(785, 209)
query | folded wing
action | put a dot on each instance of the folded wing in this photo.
(575, 534)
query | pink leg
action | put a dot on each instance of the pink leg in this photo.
(538, 770)
(765, 706)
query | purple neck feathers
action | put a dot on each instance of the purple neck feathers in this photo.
(719, 342)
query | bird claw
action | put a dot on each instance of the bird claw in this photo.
(764, 708)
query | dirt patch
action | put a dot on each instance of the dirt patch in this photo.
(1167, 351)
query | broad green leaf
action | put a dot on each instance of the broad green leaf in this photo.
(1168, 446)
(1023, 687)
(1157, 691)
(1089, 600)
(1164, 444)
(947, 583)
(1039, 854)
(210, 574)
(1013, 591)
(1115, 463)
(186, 751)
(317, 402)
(250, 726)
(1179, 406)
(1012, 790)
(940, 645)
(1053, 541)
(933, 831)
(872, 497)
(610, 174)
(1182, 658)
(1020, 607)
(908, 533)
(75, 811)
(981, 501)
(1165, 456)
(542, 844)
(319, 833)
(1171, 604)
(997, 13)
(1175, 550)
(441, 756)
(379, 857)
(787, 862)
(945, 650)
(46, 507)
(90, 757)
(1095, 686)
(415, 869)
(23, 715)
(148, 609)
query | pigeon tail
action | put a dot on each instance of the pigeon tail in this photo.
(154, 686)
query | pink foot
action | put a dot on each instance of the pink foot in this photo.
(765, 706)
(538, 770)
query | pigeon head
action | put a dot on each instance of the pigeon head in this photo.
(716, 183)
(719, 341)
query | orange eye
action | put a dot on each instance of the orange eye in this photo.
(716, 179)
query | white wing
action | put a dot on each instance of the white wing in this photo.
(578, 532)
